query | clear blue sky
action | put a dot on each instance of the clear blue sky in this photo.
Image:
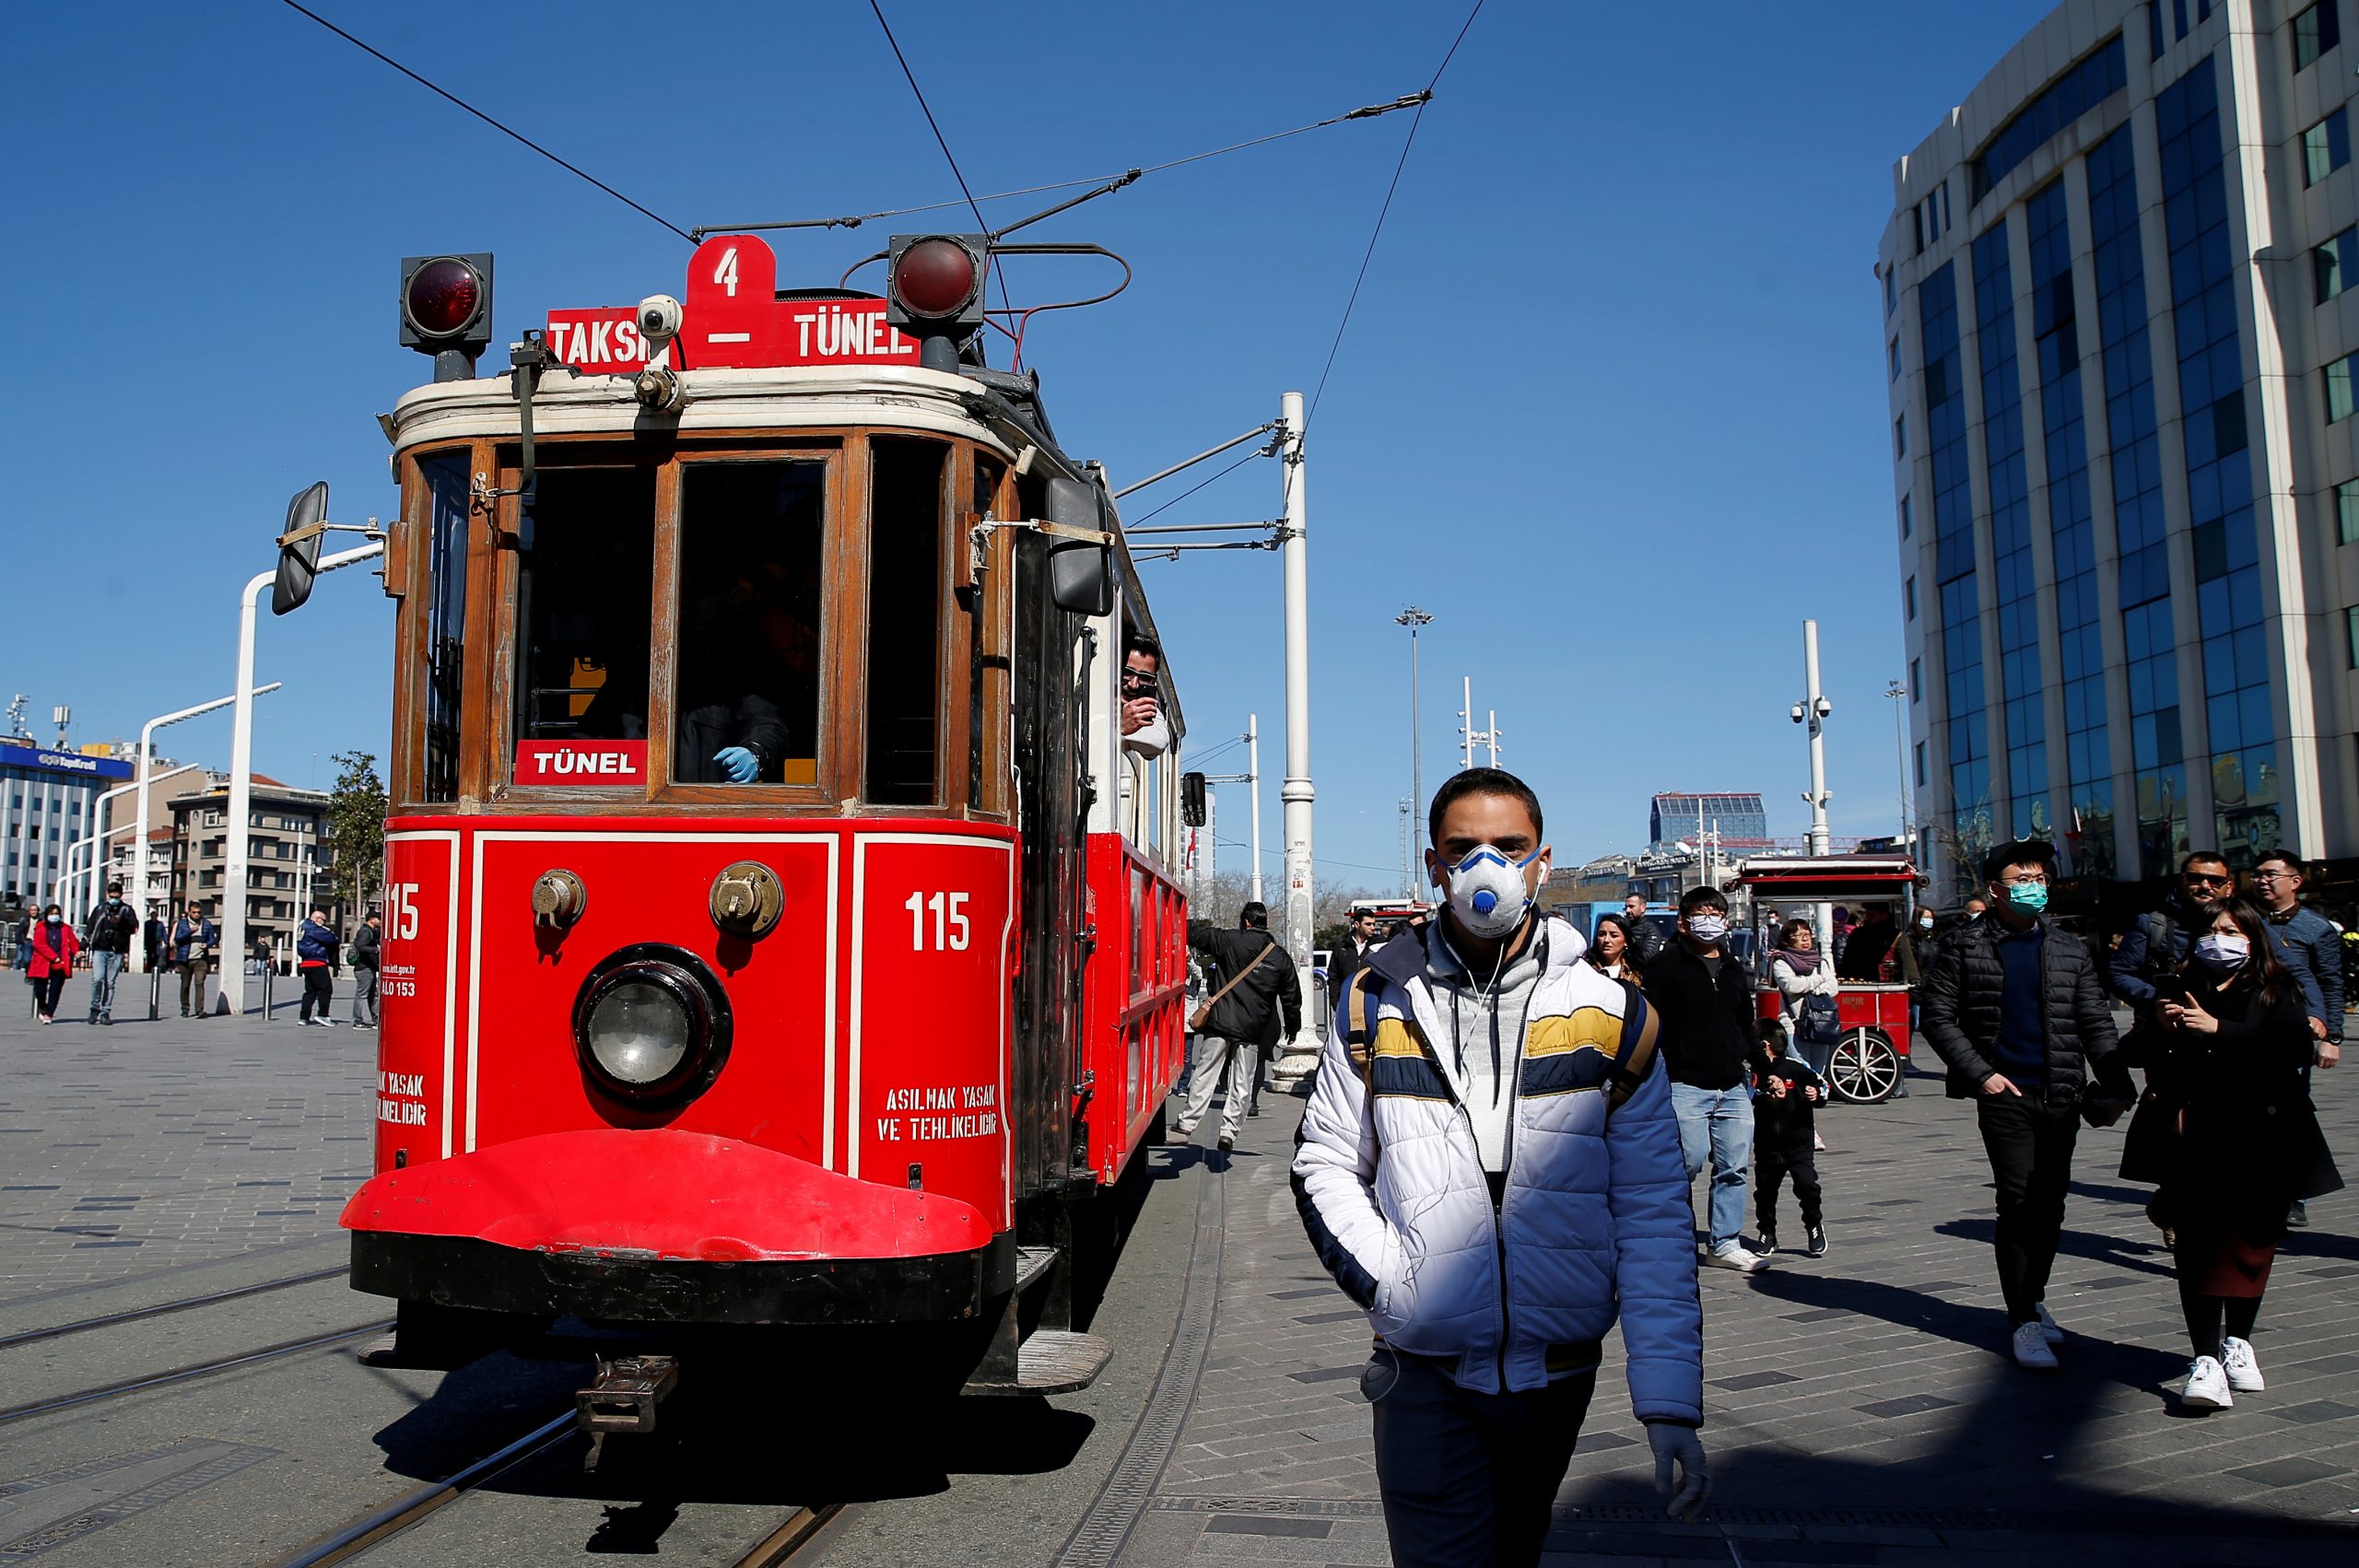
(1612, 407)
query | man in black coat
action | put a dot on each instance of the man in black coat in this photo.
(2016, 1011)
(1357, 944)
(1646, 937)
(1262, 983)
(2157, 943)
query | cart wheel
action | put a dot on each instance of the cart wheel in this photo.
(1866, 1069)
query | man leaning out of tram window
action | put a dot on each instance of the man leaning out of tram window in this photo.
(1489, 1165)
(1144, 729)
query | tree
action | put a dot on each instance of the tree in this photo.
(355, 824)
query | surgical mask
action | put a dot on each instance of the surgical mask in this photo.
(1708, 929)
(1925, 923)
(53, 920)
(2222, 952)
(1487, 892)
(2027, 897)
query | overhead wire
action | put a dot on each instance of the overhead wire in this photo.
(1382, 212)
(1257, 451)
(854, 220)
(503, 129)
(939, 140)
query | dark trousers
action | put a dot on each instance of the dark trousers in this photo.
(1468, 1478)
(318, 991)
(46, 992)
(1771, 1167)
(2030, 1146)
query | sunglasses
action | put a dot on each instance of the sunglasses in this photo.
(2200, 879)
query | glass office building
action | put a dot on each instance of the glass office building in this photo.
(1740, 819)
(2120, 340)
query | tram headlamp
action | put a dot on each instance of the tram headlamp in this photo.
(652, 1024)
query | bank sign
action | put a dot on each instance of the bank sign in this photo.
(65, 762)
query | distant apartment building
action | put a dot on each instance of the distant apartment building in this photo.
(288, 857)
(2121, 337)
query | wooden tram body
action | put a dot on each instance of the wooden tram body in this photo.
(923, 973)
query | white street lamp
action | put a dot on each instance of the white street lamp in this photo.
(146, 761)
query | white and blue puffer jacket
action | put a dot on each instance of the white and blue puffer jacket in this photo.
(1594, 1222)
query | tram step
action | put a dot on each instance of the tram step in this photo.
(1031, 1263)
(1053, 1360)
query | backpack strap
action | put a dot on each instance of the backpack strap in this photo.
(1359, 1023)
(1640, 1032)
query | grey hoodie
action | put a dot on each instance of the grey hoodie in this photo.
(1485, 1014)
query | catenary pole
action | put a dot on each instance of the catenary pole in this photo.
(1253, 783)
(1814, 712)
(1297, 791)
(242, 780)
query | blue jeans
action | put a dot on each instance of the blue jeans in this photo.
(104, 968)
(1718, 1123)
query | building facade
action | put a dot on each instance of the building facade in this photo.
(1739, 820)
(46, 798)
(2119, 351)
(288, 857)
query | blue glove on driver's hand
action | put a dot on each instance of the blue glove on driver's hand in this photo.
(1673, 1442)
(738, 763)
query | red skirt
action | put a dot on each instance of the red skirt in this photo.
(2213, 1260)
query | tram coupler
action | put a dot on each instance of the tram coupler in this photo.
(623, 1400)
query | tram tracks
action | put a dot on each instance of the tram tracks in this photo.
(782, 1544)
(116, 1389)
(186, 1304)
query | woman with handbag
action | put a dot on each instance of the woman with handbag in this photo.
(1807, 987)
(2227, 1133)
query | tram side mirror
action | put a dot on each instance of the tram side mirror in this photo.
(1191, 799)
(1081, 574)
(299, 548)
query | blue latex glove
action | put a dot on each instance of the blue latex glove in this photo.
(1672, 1441)
(739, 764)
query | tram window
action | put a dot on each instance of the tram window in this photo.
(585, 579)
(752, 541)
(905, 552)
(447, 502)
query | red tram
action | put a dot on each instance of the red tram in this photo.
(779, 931)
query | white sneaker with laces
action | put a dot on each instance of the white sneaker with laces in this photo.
(2238, 1360)
(1733, 1255)
(2031, 1347)
(2207, 1386)
(2047, 1325)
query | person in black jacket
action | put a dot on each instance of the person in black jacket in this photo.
(1355, 951)
(2227, 1130)
(1262, 984)
(368, 946)
(1646, 937)
(2015, 1009)
(1784, 1139)
(1703, 999)
(112, 925)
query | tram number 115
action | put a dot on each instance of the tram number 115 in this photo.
(952, 929)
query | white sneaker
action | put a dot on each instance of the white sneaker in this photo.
(2031, 1347)
(1733, 1255)
(2207, 1386)
(2243, 1370)
(2047, 1325)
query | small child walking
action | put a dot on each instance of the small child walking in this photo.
(1784, 1132)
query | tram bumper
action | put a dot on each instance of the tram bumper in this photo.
(663, 1227)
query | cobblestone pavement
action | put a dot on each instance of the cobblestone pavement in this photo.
(145, 1147)
(1860, 1408)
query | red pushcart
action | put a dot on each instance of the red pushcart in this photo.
(1874, 1044)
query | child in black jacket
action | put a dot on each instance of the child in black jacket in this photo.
(1784, 1128)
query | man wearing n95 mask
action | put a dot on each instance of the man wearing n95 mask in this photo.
(1490, 1167)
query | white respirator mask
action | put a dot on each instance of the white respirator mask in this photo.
(1488, 891)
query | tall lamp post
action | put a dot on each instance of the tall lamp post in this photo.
(1414, 619)
(1812, 710)
(146, 761)
(1898, 692)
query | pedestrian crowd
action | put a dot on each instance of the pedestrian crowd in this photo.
(1498, 1157)
(49, 950)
